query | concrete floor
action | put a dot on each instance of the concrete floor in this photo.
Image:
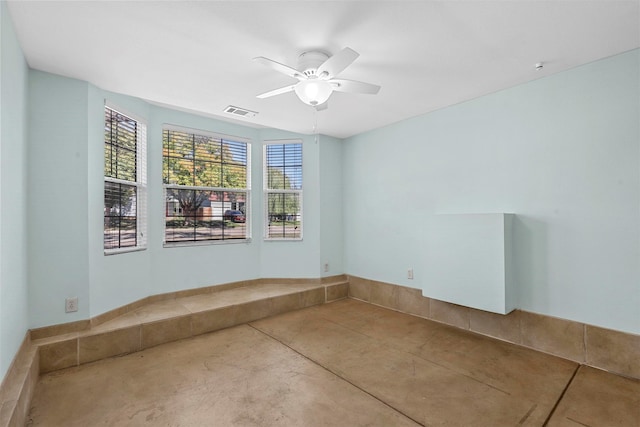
(346, 363)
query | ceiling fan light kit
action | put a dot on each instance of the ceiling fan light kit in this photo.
(313, 92)
(316, 72)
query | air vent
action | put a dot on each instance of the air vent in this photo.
(237, 111)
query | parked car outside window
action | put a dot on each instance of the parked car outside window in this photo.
(234, 216)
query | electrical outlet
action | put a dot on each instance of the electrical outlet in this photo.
(71, 304)
(326, 267)
(410, 273)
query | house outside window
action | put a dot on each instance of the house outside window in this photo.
(206, 187)
(124, 183)
(283, 190)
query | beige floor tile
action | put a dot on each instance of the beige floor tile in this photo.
(451, 314)
(411, 301)
(614, 351)
(322, 341)
(312, 297)
(121, 322)
(360, 288)
(399, 358)
(108, 344)
(397, 327)
(506, 327)
(348, 363)
(161, 310)
(205, 302)
(598, 398)
(164, 331)
(243, 295)
(286, 303)
(253, 310)
(117, 312)
(61, 329)
(7, 410)
(213, 320)
(337, 291)
(562, 337)
(515, 370)
(386, 325)
(233, 377)
(432, 394)
(58, 355)
(353, 311)
(384, 294)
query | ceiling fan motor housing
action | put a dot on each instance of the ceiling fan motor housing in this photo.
(308, 62)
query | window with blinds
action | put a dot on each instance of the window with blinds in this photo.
(206, 185)
(124, 182)
(283, 190)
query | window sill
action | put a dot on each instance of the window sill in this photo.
(204, 243)
(109, 252)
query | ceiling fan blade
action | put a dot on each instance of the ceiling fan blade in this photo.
(353, 86)
(337, 63)
(285, 69)
(275, 92)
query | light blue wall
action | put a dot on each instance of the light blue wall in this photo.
(191, 267)
(295, 258)
(119, 279)
(65, 246)
(57, 197)
(13, 184)
(561, 152)
(331, 208)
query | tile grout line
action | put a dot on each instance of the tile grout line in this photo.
(250, 324)
(553, 410)
(585, 343)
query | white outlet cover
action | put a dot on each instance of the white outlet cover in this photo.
(71, 305)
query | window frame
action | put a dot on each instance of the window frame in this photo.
(140, 183)
(267, 191)
(246, 190)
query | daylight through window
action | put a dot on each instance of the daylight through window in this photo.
(124, 182)
(283, 190)
(206, 182)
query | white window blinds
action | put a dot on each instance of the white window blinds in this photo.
(283, 190)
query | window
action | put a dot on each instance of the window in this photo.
(283, 190)
(206, 183)
(124, 182)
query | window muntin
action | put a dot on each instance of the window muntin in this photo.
(205, 177)
(283, 190)
(124, 183)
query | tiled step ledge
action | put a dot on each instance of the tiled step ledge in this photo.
(18, 385)
(614, 351)
(610, 350)
(149, 322)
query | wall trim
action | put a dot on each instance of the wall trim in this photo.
(614, 351)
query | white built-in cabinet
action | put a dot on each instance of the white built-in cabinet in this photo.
(469, 261)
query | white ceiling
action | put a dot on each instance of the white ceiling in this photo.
(426, 55)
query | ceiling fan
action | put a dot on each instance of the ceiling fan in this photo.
(316, 73)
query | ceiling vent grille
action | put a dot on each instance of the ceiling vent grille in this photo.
(237, 111)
